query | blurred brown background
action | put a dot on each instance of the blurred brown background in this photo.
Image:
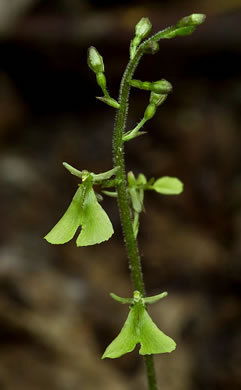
(56, 316)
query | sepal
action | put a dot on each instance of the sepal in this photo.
(96, 178)
(73, 170)
(128, 301)
(100, 177)
(155, 298)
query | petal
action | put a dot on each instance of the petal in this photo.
(152, 339)
(126, 340)
(96, 226)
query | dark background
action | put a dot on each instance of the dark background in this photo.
(56, 316)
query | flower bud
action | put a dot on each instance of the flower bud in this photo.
(161, 87)
(191, 20)
(143, 28)
(151, 47)
(95, 60)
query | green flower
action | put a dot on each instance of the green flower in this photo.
(139, 329)
(84, 211)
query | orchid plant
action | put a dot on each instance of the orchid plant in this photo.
(86, 212)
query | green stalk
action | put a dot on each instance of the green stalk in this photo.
(123, 199)
(184, 27)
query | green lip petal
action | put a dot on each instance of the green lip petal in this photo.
(139, 328)
(84, 211)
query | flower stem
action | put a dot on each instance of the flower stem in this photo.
(123, 199)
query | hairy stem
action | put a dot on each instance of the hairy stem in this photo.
(123, 198)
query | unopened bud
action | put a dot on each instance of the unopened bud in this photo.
(143, 28)
(151, 47)
(161, 87)
(95, 60)
(191, 20)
